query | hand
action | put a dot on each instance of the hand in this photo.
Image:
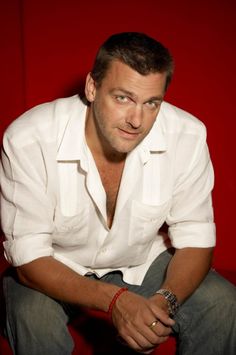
(132, 316)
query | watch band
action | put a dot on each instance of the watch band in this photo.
(171, 298)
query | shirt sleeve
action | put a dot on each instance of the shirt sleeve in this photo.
(191, 220)
(27, 200)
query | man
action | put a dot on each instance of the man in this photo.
(85, 189)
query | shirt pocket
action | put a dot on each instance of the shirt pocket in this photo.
(145, 222)
(71, 231)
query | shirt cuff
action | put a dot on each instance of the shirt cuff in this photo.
(22, 251)
(196, 235)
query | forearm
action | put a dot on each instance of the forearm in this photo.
(186, 270)
(60, 282)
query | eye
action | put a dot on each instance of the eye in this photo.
(153, 105)
(121, 98)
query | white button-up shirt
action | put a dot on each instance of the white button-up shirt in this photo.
(53, 202)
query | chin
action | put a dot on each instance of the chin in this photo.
(124, 147)
(124, 150)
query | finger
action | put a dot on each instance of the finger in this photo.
(147, 335)
(160, 313)
(139, 348)
(160, 329)
(143, 339)
(164, 318)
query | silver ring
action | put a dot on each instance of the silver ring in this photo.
(153, 324)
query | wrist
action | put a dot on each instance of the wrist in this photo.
(114, 299)
(161, 302)
(171, 300)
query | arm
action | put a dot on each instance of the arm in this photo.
(132, 313)
(60, 282)
(186, 270)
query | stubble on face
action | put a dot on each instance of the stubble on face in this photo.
(111, 135)
(107, 124)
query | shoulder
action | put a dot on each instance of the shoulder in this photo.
(43, 121)
(176, 120)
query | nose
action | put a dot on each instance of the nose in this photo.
(135, 117)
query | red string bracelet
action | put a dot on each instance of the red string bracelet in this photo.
(114, 299)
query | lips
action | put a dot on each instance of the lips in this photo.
(134, 133)
(127, 134)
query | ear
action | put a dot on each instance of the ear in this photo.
(90, 88)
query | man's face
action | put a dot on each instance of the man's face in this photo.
(123, 108)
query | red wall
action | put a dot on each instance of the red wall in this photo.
(47, 46)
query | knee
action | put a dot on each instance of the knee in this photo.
(40, 314)
(29, 309)
(218, 297)
(221, 293)
(39, 311)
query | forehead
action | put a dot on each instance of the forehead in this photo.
(121, 76)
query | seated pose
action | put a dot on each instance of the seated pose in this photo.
(86, 185)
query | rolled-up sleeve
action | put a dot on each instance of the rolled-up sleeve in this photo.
(26, 199)
(191, 220)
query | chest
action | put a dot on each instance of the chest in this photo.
(110, 175)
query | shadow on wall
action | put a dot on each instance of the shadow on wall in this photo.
(76, 87)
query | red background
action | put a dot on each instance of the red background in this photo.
(47, 47)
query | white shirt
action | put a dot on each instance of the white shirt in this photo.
(53, 201)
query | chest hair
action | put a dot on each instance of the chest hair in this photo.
(110, 174)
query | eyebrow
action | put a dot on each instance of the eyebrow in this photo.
(131, 94)
(155, 98)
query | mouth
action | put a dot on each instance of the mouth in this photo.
(128, 134)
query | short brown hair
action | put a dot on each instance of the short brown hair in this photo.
(139, 51)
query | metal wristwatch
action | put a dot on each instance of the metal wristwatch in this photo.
(173, 304)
